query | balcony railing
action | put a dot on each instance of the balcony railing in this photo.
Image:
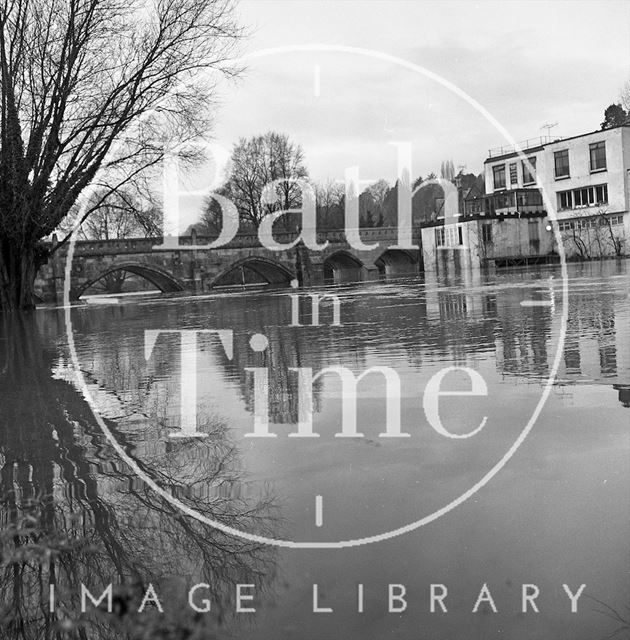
(514, 202)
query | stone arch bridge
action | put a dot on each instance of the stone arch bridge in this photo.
(197, 270)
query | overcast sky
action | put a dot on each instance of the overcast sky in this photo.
(527, 63)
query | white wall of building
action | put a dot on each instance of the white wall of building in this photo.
(615, 176)
(515, 158)
(617, 143)
(507, 238)
(450, 258)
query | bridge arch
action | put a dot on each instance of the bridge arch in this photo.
(342, 266)
(265, 269)
(397, 262)
(159, 278)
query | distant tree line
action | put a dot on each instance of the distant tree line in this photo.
(274, 159)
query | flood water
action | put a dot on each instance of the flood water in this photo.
(557, 512)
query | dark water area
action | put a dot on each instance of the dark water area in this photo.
(557, 512)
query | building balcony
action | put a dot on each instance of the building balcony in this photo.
(515, 203)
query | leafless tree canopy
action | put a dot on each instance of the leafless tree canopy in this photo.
(89, 85)
(121, 216)
(596, 237)
(330, 197)
(256, 163)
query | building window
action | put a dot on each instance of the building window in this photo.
(504, 200)
(561, 163)
(565, 200)
(601, 194)
(450, 236)
(529, 198)
(499, 177)
(513, 173)
(598, 156)
(528, 176)
(486, 232)
(590, 223)
(584, 197)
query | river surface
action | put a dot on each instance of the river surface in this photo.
(556, 512)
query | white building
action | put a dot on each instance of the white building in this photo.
(506, 226)
(586, 180)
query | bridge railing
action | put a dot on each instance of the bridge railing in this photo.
(242, 240)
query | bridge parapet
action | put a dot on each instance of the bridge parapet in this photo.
(190, 265)
(242, 240)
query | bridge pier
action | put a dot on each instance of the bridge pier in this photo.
(371, 272)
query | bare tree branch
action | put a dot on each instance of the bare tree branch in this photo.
(95, 87)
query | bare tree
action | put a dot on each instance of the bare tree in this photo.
(378, 191)
(122, 216)
(578, 237)
(597, 236)
(624, 96)
(255, 163)
(613, 238)
(94, 88)
(330, 197)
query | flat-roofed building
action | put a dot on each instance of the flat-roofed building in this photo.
(585, 179)
(581, 181)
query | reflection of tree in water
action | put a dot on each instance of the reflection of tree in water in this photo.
(72, 513)
(412, 322)
(620, 618)
(288, 348)
(370, 324)
(282, 354)
(465, 323)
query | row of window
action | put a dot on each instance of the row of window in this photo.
(597, 154)
(528, 176)
(519, 199)
(450, 236)
(583, 197)
(589, 223)
(561, 166)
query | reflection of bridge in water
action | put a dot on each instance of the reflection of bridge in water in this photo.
(455, 323)
(191, 266)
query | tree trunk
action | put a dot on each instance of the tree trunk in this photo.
(18, 267)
